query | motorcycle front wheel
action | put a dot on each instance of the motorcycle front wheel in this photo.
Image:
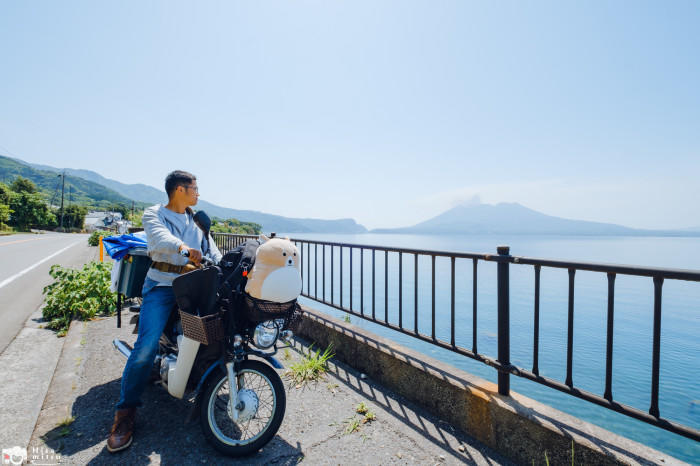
(258, 416)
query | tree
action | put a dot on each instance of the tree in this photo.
(30, 210)
(75, 216)
(5, 212)
(121, 208)
(233, 225)
(5, 194)
(23, 185)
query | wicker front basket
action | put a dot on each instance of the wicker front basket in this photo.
(206, 330)
(258, 310)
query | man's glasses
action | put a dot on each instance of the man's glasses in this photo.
(195, 188)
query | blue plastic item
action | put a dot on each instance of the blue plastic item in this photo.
(118, 246)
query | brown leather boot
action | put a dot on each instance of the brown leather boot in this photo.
(121, 435)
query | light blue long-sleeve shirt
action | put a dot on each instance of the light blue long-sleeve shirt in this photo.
(166, 231)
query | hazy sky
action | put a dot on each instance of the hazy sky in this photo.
(388, 112)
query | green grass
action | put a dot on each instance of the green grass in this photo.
(347, 318)
(312, 365)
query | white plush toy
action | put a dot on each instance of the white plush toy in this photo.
(275, 275)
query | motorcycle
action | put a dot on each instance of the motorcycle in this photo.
(205, 356)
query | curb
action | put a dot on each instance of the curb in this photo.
(58, 401)
(28, 363)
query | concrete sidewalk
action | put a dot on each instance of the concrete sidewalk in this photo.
(28, 361)
(86, 387)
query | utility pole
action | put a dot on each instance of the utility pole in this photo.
(55, 192)
(70, 201)
(63, 188)
(132, 211)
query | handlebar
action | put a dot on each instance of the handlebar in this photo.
(205, 260)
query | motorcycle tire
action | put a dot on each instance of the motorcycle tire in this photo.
(262, 393)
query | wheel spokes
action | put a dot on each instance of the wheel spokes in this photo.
(243, 432)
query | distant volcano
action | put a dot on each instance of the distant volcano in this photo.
(514, 218)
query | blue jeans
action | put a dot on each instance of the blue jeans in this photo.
(158, 302)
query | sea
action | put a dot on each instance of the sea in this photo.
(679, 391)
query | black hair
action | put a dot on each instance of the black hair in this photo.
(178, 178)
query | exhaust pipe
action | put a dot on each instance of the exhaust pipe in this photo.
(122, 347)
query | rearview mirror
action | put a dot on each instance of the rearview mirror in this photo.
(202, 219)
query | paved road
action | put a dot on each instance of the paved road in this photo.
(25, 260)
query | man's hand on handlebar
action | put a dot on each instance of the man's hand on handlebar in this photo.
(194, 255)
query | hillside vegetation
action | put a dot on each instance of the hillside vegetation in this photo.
(232, 225)
(76, 191)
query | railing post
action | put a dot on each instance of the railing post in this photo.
(503, 320)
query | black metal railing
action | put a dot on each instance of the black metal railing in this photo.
(226, 241)
(309, 251)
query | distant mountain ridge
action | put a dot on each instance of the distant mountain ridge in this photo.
(514, 218)
(270, 222)
(471, 218)
(83, 191)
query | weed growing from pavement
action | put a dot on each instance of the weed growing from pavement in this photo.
(66, 421)
(347, 318)
(369, 417)
(64, 425)
(572, 452)
(353, 425)
(286, 355)
(312, 365)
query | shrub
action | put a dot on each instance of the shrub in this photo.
(94, 239)
(78, 294)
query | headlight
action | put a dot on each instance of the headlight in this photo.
(265, 334)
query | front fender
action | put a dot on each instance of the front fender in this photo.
(215, 369)
(212, 370)
(273, 362)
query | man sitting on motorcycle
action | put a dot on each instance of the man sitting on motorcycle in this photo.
(170, 229)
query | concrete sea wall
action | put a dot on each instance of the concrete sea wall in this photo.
(516, 426)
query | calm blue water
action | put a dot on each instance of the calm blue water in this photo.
(680, 346)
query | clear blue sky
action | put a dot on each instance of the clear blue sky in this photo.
(387, 112)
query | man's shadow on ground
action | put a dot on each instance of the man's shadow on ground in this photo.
(161, 429)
